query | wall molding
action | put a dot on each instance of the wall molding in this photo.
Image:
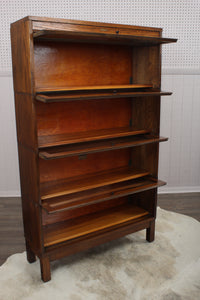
(179, 190)
(8, 194)
(5, 73)
(180, 71)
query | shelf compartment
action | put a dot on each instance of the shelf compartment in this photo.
(98, 146)
(52, 189)
(92, 223)
(94, 135)
(111, 38)
(94, 196)
(49, 95)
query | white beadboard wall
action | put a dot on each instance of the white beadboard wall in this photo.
(179, 162)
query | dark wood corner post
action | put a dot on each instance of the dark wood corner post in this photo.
(150, 232)
(29, 253)
(45, 268)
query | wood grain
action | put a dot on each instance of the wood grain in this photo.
(41, 90)
(74, 118)
(12, 238)
(22, 56)
(121, 36)
(147, 66)
(88, 224)
(23, 77)
(82, 183)
(76, 212)
(83, 165)
(146, 113)
(80, 64)
(114, 94)
(89, 241)
(45, 268)
(99, 146)
(149, 30)
(97, 195)
(79, 137)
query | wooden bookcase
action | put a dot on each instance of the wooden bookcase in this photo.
(87, 101)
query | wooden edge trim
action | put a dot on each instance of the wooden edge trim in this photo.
(90, 23)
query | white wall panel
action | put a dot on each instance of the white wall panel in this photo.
(9, 170)
(180, 120)
(195, 135)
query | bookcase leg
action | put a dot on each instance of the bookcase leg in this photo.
(29, 254)
(45, 269)
(150, 233)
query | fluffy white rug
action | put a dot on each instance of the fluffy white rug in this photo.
(126, 269)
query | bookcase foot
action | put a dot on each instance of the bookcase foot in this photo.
(150, 232)
(45, 269)
(29, 254)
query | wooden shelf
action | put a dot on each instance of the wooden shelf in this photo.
(92, 223)
(101, 37)
(80, 137)
(68, 186)
(98, 146)
(109, 192)
(93, 88)
(48, 95)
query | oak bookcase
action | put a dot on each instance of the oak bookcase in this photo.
(87, 101)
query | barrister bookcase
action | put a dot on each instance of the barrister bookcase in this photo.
(87, 101)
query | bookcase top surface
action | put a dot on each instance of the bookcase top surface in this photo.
(79, 22)
(85, 31)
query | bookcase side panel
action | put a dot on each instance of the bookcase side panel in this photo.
(146, 111)
(146, 114)
(23, 73)
(22, 58)
(147, 65)
(30, 198)
(26, 121)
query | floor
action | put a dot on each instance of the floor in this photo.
(11, 225)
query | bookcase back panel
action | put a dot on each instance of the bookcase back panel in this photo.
(80, 211)
(65, 64)
(52, 170)
(80, 116)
